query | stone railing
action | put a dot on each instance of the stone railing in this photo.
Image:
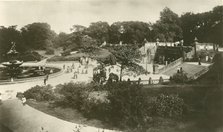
(171, 65)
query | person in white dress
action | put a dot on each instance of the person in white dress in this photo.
(24, 100)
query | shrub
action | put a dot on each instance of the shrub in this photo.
(49, 51)
(179, 78)
(94, 108)
(30, 56)
(40, 93)
(19, 95)
(63, 58)
(128, 106)
(74, 94)
(168, 106)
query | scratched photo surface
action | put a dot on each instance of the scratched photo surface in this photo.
(111, 65)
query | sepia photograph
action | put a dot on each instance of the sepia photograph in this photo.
(111, 65)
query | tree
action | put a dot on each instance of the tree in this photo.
(207, 26)
(127, 57)
(168, 28)
(78, 28)
(88, 44)
(61, 40)
(99, 31)
(189, 27)
(37, 35)
(134, 32)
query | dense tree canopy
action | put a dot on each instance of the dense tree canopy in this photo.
(38, 35)
(168, 28)
(134, 32)
(207, 26)
(99, 31)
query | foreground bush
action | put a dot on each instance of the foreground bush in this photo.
(128, 106)
(40, 93)
(179, 78)
(120, 104)
(73, 94)
(168, 106)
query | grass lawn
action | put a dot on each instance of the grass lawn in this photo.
(100, 54)
(67, 114)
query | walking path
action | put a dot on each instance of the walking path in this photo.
(9, 91)
(19, 118)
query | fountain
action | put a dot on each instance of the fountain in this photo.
(13, 65)
(14, 71)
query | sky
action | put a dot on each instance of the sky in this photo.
(62, 14)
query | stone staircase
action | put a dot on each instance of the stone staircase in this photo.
(193, 70)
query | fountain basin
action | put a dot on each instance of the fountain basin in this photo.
(29, 73)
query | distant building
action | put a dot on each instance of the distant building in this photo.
(204, 46)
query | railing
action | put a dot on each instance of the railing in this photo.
(171, 65)
(146, 82)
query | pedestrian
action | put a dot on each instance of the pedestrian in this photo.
(199, 61)
(161, 80)
(64, 66)
(75, 75)
(150, 80)
(47, 76)
(24, 100)
(0, 98)
(206, 58)
(139, 80)
(211, 58)
(44, 81)
(178, 70)
(181, 70)
(129, 81)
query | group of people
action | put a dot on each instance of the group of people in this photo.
(80, 69)
(179, 70)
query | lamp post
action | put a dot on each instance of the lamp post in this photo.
(195, 47)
